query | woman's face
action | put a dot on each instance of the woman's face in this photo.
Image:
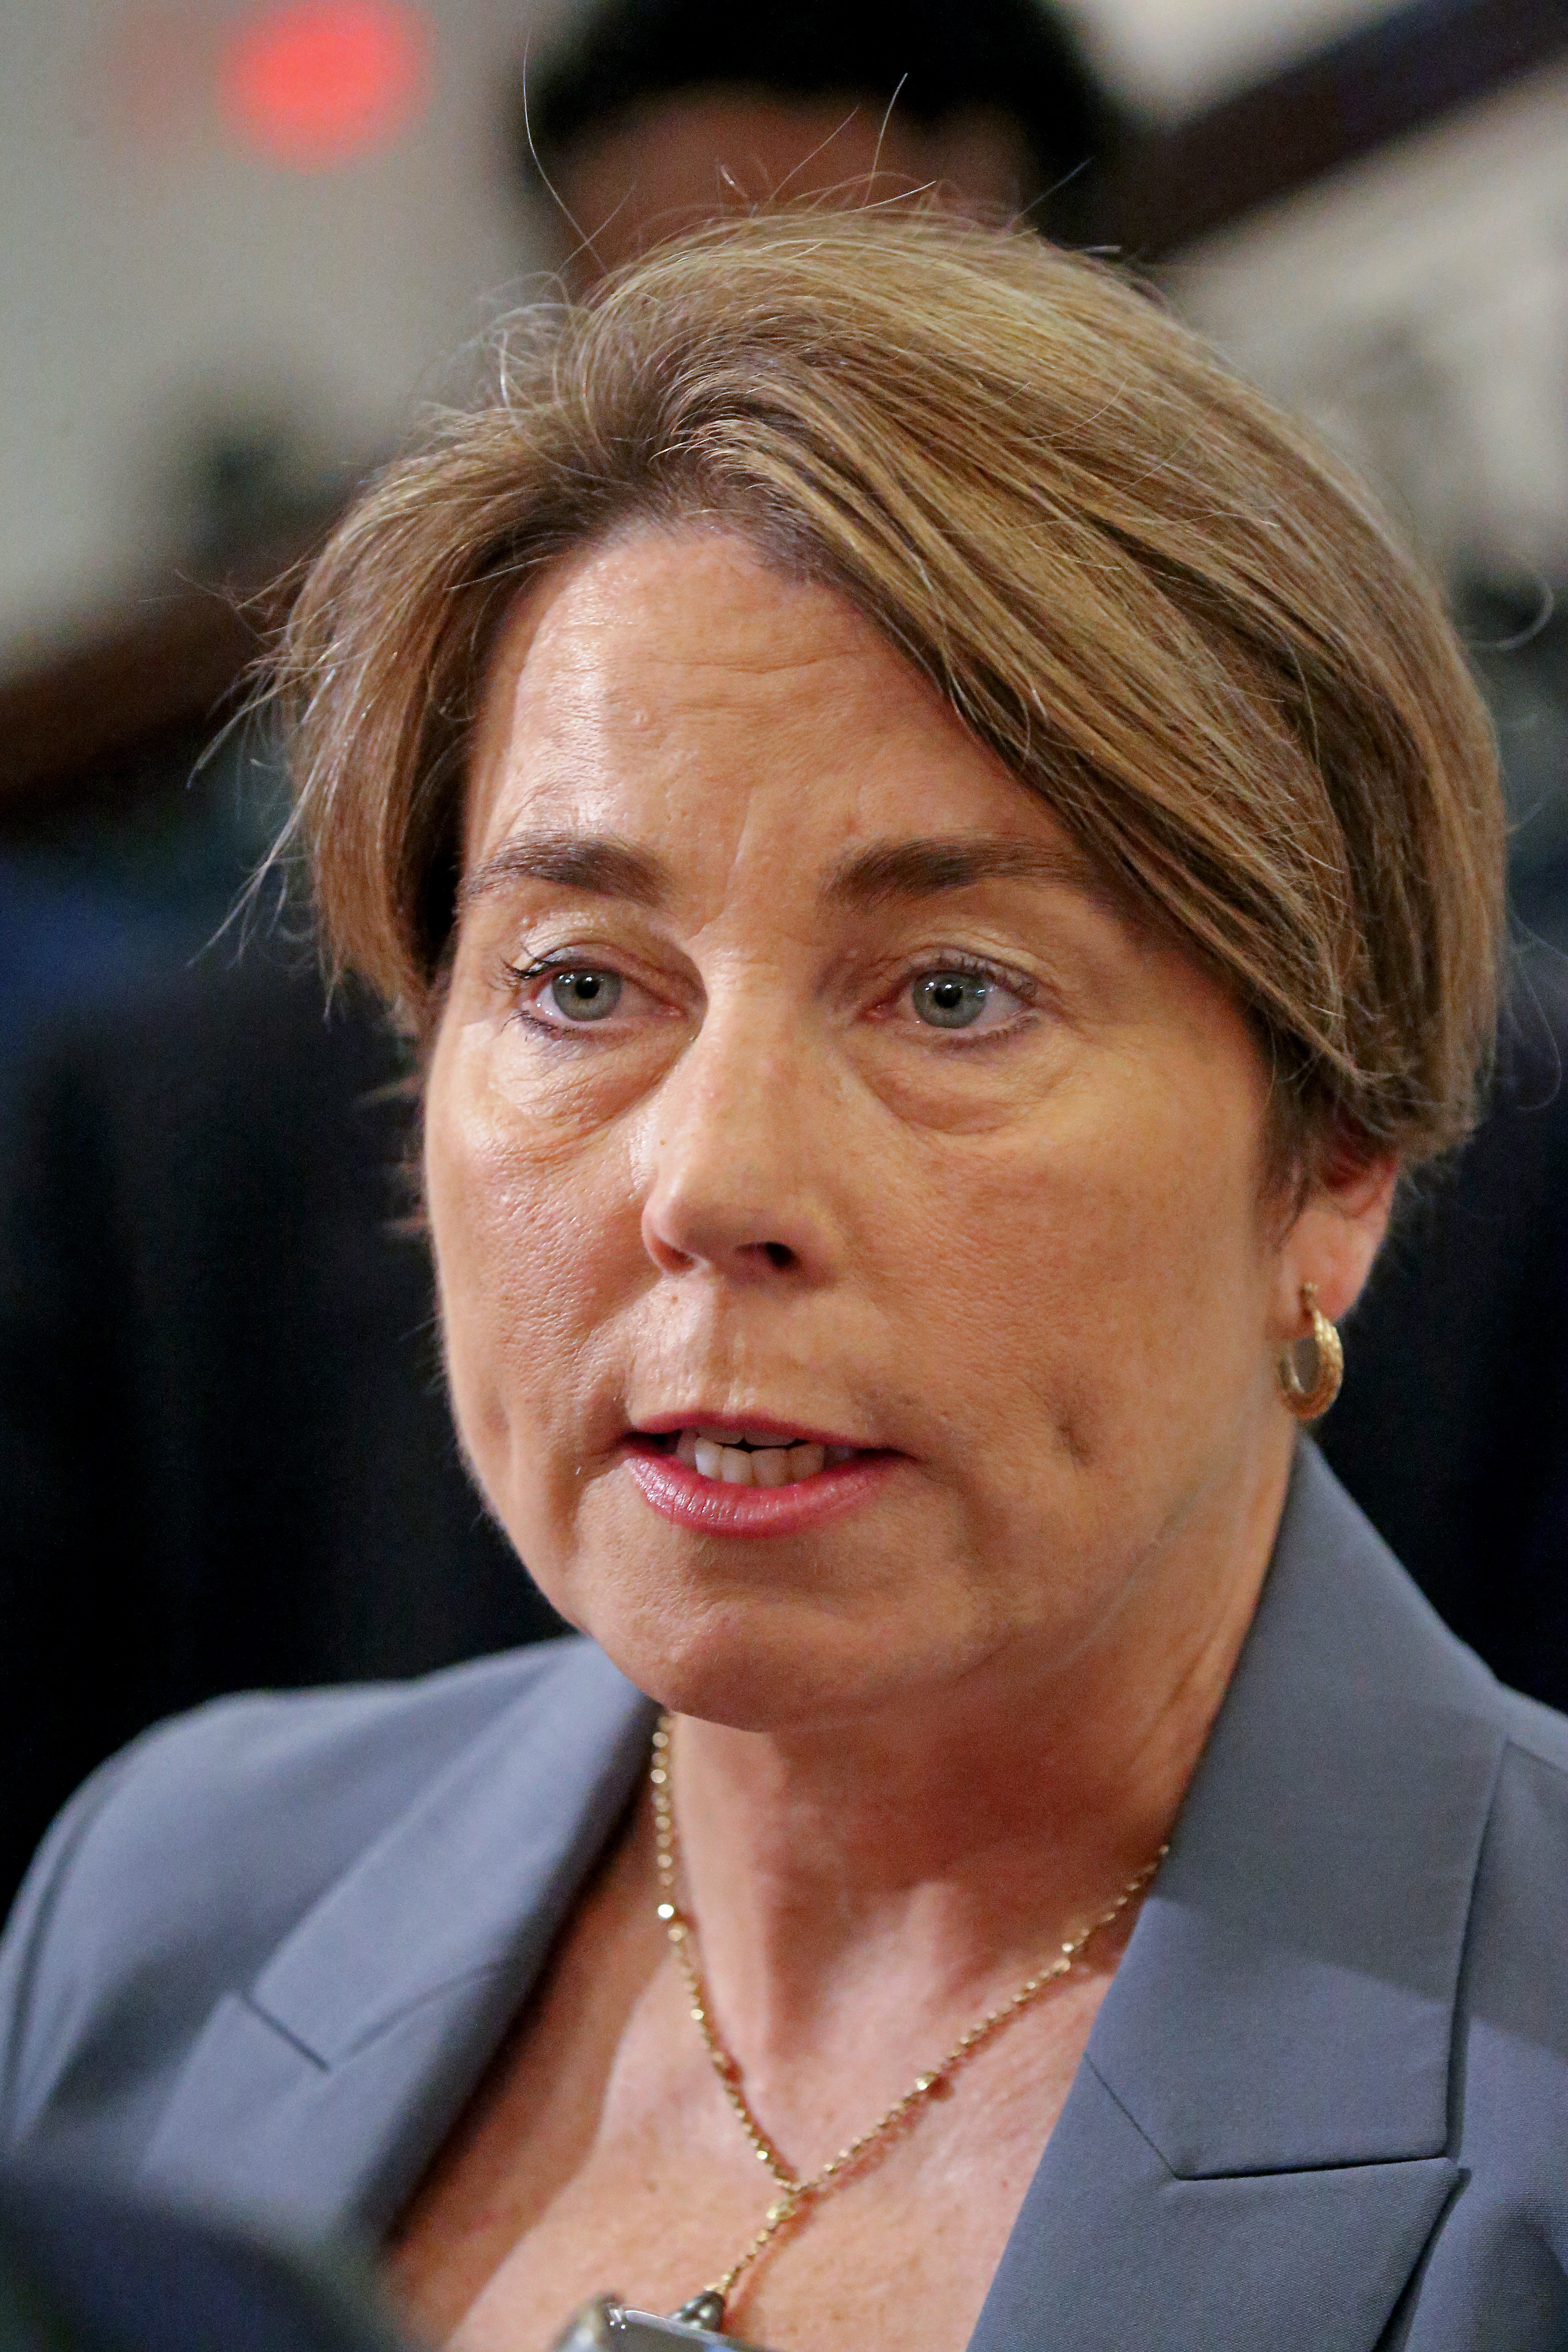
(849, 1222)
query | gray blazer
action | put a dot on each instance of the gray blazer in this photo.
(265, 1954)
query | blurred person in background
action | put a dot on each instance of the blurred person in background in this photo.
(652, 114)
(945, 868)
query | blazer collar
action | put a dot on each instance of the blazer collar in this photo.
(1288, 1998)
(316, 2097)
(1254, 2150)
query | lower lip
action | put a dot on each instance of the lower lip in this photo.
(711, 1508)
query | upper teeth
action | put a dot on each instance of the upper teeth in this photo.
(741, 1458)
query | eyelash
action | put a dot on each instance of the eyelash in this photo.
(563, 959)
(1017, 983)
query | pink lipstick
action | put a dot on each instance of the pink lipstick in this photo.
(759, 1479)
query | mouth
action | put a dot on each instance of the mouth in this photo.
(750, 1478)
(750, 1457)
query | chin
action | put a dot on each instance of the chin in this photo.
(758, 1659)
(817, 1628)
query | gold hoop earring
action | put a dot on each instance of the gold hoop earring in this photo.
(1311, 1403)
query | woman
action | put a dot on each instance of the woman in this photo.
(944, 868)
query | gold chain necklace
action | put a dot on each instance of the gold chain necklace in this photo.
(798, 2195)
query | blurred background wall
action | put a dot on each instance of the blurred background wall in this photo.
(243, 242)
(239, 241)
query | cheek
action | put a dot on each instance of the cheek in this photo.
(1105, 1278)
(532, 1236)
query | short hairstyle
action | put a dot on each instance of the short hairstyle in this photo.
(928, 58)
(1157, 600)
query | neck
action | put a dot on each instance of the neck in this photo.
(918, 1853)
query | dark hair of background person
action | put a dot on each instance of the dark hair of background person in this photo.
(929, 61)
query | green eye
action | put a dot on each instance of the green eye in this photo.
(950, 1000)
(586, 996)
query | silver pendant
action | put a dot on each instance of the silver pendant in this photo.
(704, 2310)
(606, 2325)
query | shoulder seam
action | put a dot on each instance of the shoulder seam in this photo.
(1537, 1755)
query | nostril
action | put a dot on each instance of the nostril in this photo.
(779, 1253)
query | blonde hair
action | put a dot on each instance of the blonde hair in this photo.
(1157, 599)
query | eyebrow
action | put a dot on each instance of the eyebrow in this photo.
(892, 870)
(606, 865)
(600, 863)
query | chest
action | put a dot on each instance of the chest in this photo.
(601, 2156)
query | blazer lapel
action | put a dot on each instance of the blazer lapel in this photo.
(316, 2097)
(1114, 2253)
(1255, 2150)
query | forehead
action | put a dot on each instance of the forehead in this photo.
(672, 680)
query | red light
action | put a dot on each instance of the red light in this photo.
(321, 82)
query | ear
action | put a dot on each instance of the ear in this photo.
(1334, 1241)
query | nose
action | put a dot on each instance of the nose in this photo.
(738, 1139)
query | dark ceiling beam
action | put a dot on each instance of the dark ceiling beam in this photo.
(1378, 85)
(167, 665)
(126, 687)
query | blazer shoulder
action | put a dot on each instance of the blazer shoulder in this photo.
(1536, 1732)
(1521, 1889)
(1510, 2043)
(179, 1867)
